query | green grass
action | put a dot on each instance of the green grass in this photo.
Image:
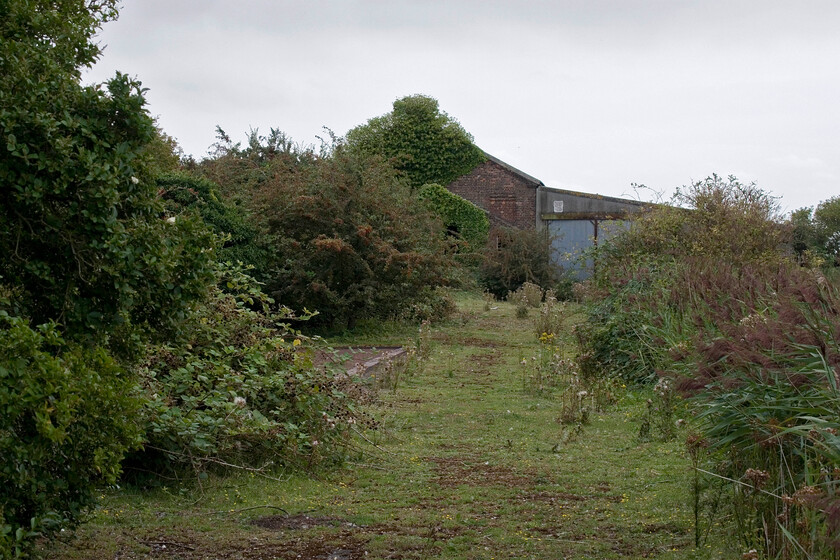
(467, 465)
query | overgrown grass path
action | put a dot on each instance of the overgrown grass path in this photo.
(468, 463)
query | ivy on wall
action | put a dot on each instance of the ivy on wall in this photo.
(459, 215)
(420, 140)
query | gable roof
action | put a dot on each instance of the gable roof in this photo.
(532, 181)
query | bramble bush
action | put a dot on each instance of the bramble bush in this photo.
(239, 387)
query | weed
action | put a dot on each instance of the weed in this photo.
(552, 316)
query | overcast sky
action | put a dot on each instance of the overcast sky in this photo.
(591, 95)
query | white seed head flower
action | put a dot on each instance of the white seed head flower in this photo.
(239, 401)
(135, 180)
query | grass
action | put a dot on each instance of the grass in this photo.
(466, 465)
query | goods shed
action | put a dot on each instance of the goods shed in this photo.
(575, 220)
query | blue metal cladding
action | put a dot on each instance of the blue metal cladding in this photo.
(570, 238)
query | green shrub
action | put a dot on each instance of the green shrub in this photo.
(515, 256)
(460, 216)
(91, 270)
(241, 240)
(237, 388)
(352, 241)
(68, 418)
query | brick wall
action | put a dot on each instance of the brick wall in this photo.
(509, 198)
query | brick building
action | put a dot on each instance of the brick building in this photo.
(506, 193)
(575, 220)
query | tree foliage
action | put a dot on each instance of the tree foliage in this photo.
(425, 143)
(462, 218)
(89, 268)
(353, 241)
(240, 240)
(79, 213)
(816, 233)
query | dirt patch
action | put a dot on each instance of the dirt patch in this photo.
(344, 547)
(300, 521)
(452, 472)
(479, 342)
(436, 533)
(466, 341)
(489, 359)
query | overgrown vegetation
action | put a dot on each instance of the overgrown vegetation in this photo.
(423, 142)
(348, 237)
(515, 256)
(816, 234)
(463, 220)
(709, 300)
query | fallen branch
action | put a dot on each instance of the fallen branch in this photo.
(193, 460)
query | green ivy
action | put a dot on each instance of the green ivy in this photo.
(425, 143)
(458, 214)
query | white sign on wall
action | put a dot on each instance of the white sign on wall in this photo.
(558, 206)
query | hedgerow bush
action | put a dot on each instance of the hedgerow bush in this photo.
(90, 269)
(351, 240)
(722, 222)
(240, 240)
(65, 426)
(709, 299)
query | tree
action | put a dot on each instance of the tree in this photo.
(425, 143)
(81, 226)
(240, 240)
(88, 266)
(827, 228)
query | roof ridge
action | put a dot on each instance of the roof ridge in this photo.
(529, 178)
